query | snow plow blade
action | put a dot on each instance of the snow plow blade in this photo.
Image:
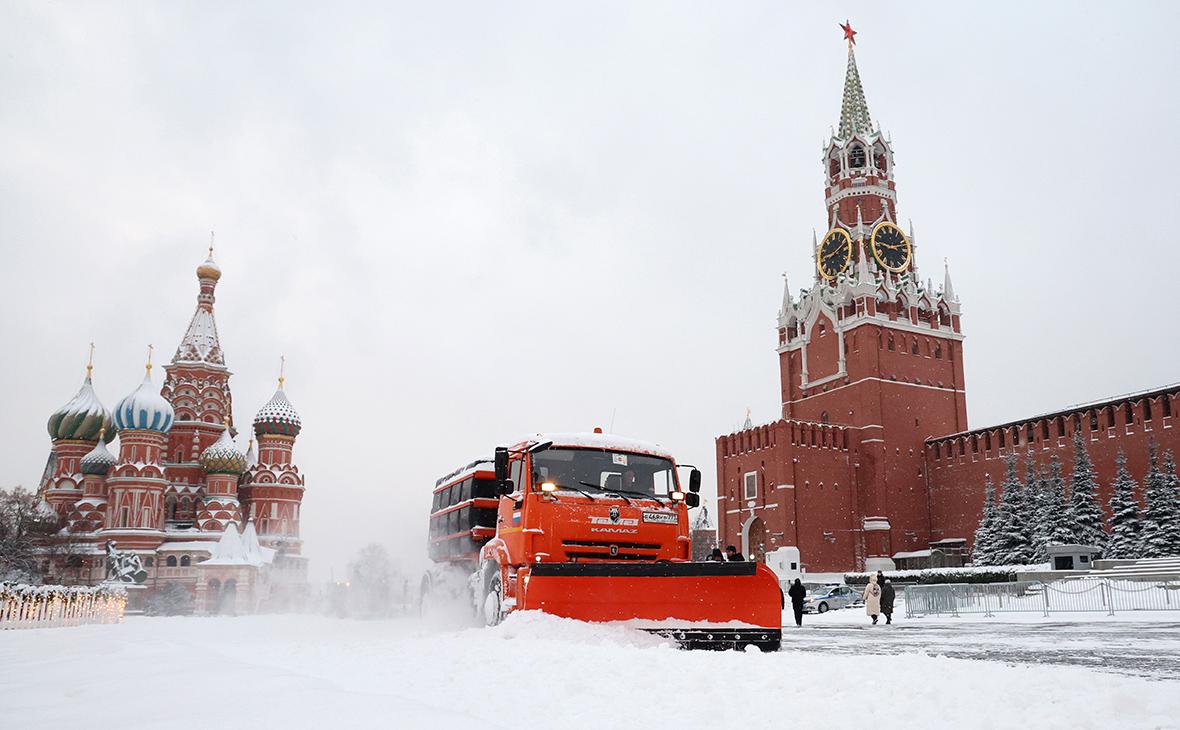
(699, 605)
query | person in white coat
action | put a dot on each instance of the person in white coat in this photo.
(872, 596)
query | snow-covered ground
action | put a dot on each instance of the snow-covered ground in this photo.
(540, 671)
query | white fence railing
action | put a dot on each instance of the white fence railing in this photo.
(30, 607)
(1081, 593)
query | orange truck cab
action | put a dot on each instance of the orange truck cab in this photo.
(595, 527)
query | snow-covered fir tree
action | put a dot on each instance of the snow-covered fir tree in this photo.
(1061, 522)
(1170, 523)
(1125, 519)
(1037, 506)
(1013, 546)
(983, 552)
(1158, 536)
(1088, 520)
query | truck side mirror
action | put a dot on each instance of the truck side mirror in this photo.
(692, 499)
(501, 464)
(694, 481)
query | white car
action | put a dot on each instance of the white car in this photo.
(825, 598)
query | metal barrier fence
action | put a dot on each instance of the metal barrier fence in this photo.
(1082, 593)
(32, 607)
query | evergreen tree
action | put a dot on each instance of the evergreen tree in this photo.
(1170, 496)
(1161, 517)
(1125, 521)
(983, 552)
(1037, 507)
(1013, 546)
(1088, 520)
(1061, 524)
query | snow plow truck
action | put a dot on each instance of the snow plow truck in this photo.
(593, 527)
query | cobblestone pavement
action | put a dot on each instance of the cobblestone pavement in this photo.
(1139, 649)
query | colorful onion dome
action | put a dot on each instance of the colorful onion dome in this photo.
(145, 409)
(83, 418)
(209, 268)
(223, 457)
(278, 416)
(99, 461)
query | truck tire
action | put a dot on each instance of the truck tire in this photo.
(493, 600)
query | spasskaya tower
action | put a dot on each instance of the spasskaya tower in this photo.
(870, 360)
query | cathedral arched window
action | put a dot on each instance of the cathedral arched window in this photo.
(823, 417)
(856, 157)
(834, 167)
(171, 561)
(890, 343)
(914, 348)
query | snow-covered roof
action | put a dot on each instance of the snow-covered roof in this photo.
(236, 548)
(911, 554)
(605, 441)
(188, 546)
(200, 343)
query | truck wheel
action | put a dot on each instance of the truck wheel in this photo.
(493, 601)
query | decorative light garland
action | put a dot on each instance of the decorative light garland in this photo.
(28, 606)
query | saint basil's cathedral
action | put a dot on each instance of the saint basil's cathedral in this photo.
(179, 492)
(871, 464)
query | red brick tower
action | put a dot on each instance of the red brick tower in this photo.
(870, 346)
(75, 428)
(272, 487)
(136, 484)
(223, 464)
(197, 385)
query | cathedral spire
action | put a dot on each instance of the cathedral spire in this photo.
(854, 110)
(948, 291)
(200, 343)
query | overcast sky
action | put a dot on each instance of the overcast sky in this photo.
(466, 222)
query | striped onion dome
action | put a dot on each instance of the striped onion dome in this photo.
(223, 457)
(278, 416)
(83, 418)
(145, 409)
(99, 461)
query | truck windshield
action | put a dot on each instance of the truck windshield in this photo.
(634, 475)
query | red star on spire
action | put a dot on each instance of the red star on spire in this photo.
(849, 33)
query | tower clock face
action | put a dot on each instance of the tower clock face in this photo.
(890, 247)
(835, 253)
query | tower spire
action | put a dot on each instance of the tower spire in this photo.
(948, 291)
(90, 362)
(282, 370)
(854, 110)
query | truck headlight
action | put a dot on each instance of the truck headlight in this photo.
(548, 487)
(677, 496)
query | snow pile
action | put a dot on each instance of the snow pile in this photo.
(532, 671)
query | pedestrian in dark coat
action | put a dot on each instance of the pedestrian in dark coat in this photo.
(887, 595)
(732, 553)
(716, 556)
(797, 593)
